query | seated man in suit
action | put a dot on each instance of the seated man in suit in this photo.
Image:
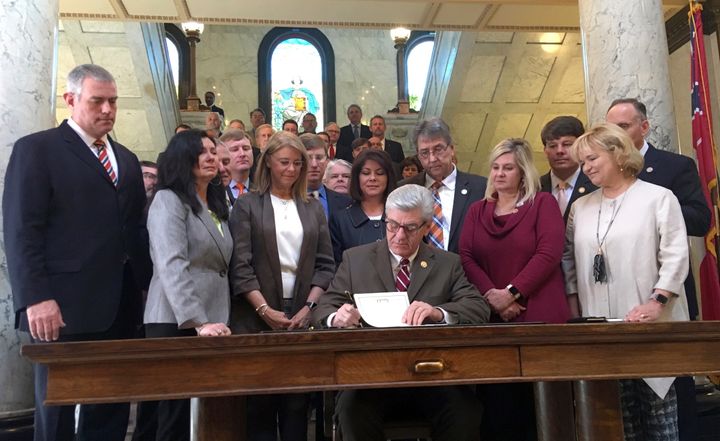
(317, 154)
(565, 180)
(356, 129)
(452, 189)
(393, 148)
(439, 293)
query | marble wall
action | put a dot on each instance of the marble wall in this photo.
(364, 69)
(509, 84)
(120, 48)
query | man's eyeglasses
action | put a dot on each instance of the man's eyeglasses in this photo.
(436, 151)
(393, 226)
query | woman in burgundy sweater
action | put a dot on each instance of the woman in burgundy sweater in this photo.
(512, 241)
(511, 246)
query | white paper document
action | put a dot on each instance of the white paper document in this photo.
(382, 309)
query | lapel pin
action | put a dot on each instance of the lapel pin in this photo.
(462, 192)
(649, 169)
(423, 264)
(581, 190)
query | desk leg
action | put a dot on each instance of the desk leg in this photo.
(597, 411)
(554, 411)
(221, 419)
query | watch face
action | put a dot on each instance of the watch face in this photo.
(660, 298)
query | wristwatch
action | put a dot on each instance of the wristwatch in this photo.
(311, 305)
(514, 291)
(660, 298)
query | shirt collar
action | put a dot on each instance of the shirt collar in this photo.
(555, 181)
(448, 182)
(87, 139)
(644, 148)
(396, 259)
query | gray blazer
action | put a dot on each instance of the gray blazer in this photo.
(436, 278)
(190, 258)
(256, 265)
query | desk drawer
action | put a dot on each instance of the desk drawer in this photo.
(420, 365)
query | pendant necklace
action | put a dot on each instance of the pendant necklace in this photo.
(599, 270)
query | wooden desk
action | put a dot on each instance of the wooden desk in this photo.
(152, 369)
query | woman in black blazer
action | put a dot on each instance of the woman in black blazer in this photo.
(372, 179)
(282, 263)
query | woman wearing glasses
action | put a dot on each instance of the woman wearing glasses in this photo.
(282, 263)
(626, 257)
(371, 181)
(511, 246)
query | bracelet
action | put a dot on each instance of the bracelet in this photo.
(264, 310)
(259, 307)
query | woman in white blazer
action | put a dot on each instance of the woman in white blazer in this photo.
(191, 246)
(626, 257)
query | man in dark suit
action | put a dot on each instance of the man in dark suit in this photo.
(456, 190)
(317, 152)
(438, 292)
(679, 174)
(565, 180)
(210, 102)
(72, 207)
(393, 148)
(356, 129)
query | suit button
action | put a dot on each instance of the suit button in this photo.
(222, 273)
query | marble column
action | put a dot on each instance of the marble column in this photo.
(28, 41)
(626, 56)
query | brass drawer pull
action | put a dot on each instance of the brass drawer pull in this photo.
(429, 367)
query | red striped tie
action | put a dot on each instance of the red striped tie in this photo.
(402, 281)
(105, 160)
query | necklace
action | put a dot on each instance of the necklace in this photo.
(599, 270)
(285, 203)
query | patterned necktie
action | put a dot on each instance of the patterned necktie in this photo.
(402, 280)
(105, 160)
(435, 236)
(240, 188)
(314, 194)
(562, 196)
(331, 151)
(356, 132)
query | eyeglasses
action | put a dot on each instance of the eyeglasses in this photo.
(436, 151)
(286, 163)
(393, 226)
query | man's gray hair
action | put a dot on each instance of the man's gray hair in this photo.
(332, 163)
(76, 77)
(410, 197)
(432, 128)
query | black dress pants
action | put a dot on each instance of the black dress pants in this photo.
(286, 413)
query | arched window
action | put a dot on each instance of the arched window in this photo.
(174, 60)
(417, 61)
(177, 44)
(296, 76)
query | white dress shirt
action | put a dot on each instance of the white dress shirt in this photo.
(89, 140)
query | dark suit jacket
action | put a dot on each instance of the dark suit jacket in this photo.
(583, 186)
(679, 174)
(336, 202)
(343, 152)
(69, 231)
(347, 137)
(468, 189)
(255, 263)
(440, 282)
(350, 227)
(395, 150)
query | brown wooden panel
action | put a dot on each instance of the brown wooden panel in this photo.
(395, 366)
(221, 419)
(598, 416)
(124, 380)
(620, 360)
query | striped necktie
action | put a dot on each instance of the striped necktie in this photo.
(402, 280)
(435, 236)
(105, 160)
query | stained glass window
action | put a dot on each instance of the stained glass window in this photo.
(297, 86)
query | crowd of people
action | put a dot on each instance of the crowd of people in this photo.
(244, 231)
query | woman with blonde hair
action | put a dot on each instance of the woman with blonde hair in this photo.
(282, 262)
(511, 246)
(626, 257)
